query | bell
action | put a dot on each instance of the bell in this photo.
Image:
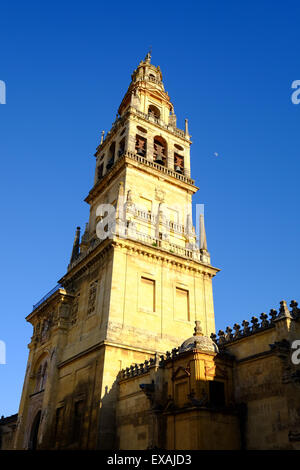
(178, 169)
(159, 161)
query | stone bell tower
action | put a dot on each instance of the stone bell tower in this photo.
(137, 280)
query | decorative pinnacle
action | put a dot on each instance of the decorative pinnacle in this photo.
(186, 128)
(198, 329)
(75, 251)
(284, 311)
(203, 241)
(102, 137)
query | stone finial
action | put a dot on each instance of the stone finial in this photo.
(102, 137)
(213, 337)
(162, 360)
(237, 329)
(246, 327)
(283, 311)
(174, 352)
(273, 314)
(198, 329)
(229, 335)
(295, 309)
(264, 320)
(255, 325)
(221, 336)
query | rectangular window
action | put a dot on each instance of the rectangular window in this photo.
(181, 391)
(182, 304)
(78, 417)
(216, 393)
(58, 421)
(147, 294)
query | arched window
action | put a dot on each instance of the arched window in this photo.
(154, 111)
(121, 147)
(160, 150)
(100, 171)
(111, 155)
(44, 375)
(178, 163)
(38, 380)
(41, 376)
(140, 145)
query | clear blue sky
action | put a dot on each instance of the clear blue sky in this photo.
(228, 67)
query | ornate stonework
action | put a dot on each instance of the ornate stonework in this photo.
(92, 297)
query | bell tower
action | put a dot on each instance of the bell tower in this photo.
(137, 280)
(143, 172)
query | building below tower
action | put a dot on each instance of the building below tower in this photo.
(110, 365)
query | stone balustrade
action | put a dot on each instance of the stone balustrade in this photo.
(143, 368)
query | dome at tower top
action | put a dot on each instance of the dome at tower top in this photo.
(199, 341)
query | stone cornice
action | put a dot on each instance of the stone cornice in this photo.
(87, 262)
(165, 256)
(141, 248)
(100, 345)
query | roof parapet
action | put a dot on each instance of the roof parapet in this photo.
(238, 331)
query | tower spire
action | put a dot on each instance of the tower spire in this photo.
(75, 251)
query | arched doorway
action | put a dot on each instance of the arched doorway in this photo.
(34, 432)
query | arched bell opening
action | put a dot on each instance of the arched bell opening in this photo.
(178, 163)
(153, 111)
(111, 155)
(160, 151)
(121, 147)
(140, 145)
